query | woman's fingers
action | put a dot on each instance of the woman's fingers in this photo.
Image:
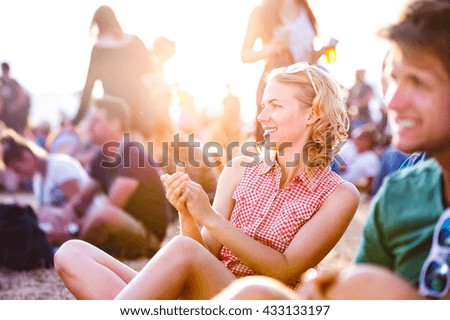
(172, 181)
(176, 190)
(177, 186)
(182, 199)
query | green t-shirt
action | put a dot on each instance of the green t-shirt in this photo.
(399, 229)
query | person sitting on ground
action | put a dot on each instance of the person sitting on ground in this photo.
(132, 221)
(404, 250)
(275, 217)
(57, 180)
(363, 166)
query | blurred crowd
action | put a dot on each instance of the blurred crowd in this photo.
(139, 102)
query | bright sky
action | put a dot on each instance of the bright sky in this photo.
(48, 44)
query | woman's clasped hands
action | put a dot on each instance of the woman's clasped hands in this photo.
(188, 197)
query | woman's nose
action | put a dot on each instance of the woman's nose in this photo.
(263, 116)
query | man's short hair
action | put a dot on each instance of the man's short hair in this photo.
(115, 108)
(423, 27)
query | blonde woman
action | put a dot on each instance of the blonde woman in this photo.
(274, 217)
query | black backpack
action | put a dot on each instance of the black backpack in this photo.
(23, 245)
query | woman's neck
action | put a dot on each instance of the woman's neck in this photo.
(291, 164)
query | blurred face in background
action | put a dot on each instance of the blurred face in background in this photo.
(362, 141)
(418, 102)
(101, 129)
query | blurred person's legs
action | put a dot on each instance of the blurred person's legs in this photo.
(118, 233)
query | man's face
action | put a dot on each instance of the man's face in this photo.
(418, 103)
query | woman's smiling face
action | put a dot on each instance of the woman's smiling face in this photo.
(283, 118)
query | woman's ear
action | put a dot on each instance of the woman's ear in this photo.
(312, 117)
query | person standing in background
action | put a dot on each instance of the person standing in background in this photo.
(15, 102)
(358, 100)
(232, 116)
(119, 61)
(161, 91)
(287, 29)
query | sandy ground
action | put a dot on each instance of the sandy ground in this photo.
(45, 283)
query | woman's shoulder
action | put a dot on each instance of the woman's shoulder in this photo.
(347, 187)
(333, 185)
(346, 192)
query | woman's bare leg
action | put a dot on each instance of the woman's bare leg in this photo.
(90, 273)
(181, 269)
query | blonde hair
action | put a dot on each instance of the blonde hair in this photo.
(331, 127)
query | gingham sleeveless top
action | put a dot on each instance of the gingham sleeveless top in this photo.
(273, 215)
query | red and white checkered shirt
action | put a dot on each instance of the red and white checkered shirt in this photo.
(272, 215)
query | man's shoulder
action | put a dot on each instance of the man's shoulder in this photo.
(413, 192)
(60, 159)
(423, 175)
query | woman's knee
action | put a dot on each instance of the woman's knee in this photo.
(185, 244)
(68, 254)
(186, 249)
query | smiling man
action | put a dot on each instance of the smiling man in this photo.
(399, 231)
(398, 235)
